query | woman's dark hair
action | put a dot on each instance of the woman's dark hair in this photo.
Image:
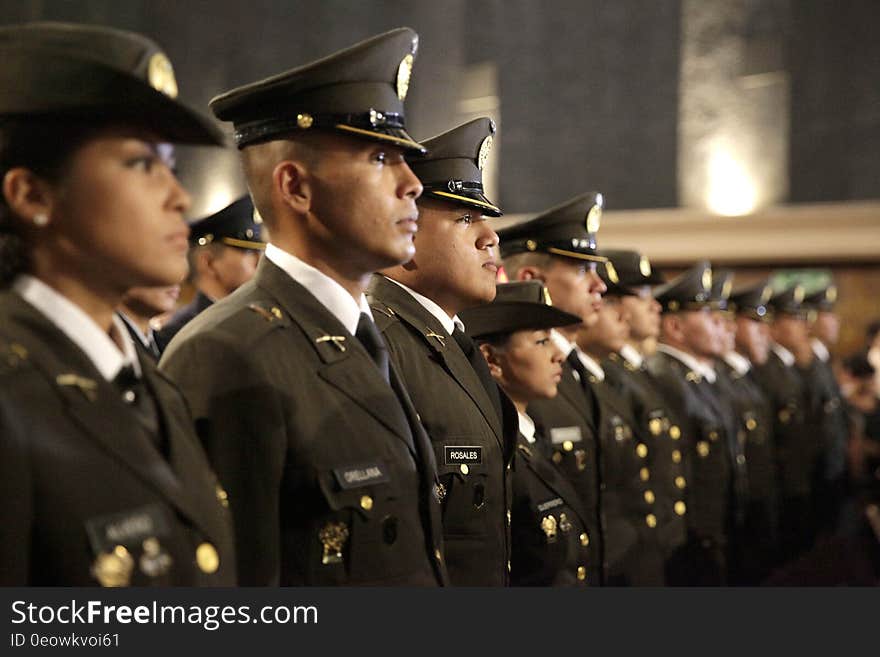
(45, 146)
(859, 366)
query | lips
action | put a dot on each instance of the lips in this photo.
(410, 224)
(491, 266)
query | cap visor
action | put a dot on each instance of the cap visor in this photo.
(395, 136)
(469, 198)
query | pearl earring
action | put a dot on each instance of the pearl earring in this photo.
(41, 219)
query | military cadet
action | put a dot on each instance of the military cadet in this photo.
(626, 370)
(747, 347)
(797, 444)
(140, 306)
(549, 525)
(558, 248)
(224, 250)
(416, 306)
(307, 423)
(631, 547)
(830, 409)
(689, 343)
(105, 481)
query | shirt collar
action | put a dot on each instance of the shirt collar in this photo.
(526, 427)
(562, 343)
(738, 362)
(706, 371)
(592, 366)
(448, 323)
(820, 350)
(82, 330)
(784, 354)
(328, 292)
(631, 355)
(147, 340)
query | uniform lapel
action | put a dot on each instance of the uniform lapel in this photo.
(346, 364)
(551, 478)
(435, 337)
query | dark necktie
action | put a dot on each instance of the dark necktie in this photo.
(478, 363)
(369, 336)
(137, 396)
(578, 367)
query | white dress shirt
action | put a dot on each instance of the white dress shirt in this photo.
(592, 366)
(448, 323)
(73, 321)
(820, 350)
(706, 371)
(526, 427)
(784, 354)
(328, 292)
(632, 356)
(738, 362)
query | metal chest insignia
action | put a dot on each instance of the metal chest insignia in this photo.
(333, 536)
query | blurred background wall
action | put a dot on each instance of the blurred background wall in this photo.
(747, 131)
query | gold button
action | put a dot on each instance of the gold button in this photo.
(557, 458)
(651, 520)
(582, 573)
(207, 558)
(751, 423)
(703, 448)
(676, 456)
(784, 416)
(222, 497)
(366, 502)
(464, 468)
(641, 450)
(655, 426)
(674, 432)
(568, 445)
(585, 540)
(713, 435)
(680, 508)
(438, 555)
(680, 482)
(304, 121)
(649, 496)
(644, 474)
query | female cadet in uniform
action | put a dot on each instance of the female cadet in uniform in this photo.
(102, 476)
(548, 535)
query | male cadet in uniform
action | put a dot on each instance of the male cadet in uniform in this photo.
(223, 255)
(631, 548)
(828, 401)
(797, 444)
(627, 370)
(416, 307)
(139, 306)
(558, 247)
(747, 347)
(689, 342)
(331, 479)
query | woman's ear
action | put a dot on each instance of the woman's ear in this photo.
(30, 198)
(492, 360)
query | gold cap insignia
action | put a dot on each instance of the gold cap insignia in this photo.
(304, 121)
(404, 71)
(798, 293)
(725, 290)
(612, 272)
(160, 75)
(113, 568)
(645, 266)
(531, 245)
(485, 148)
(707, 279)
(547, 300)
(766, 293)
(333, 537)
(258, 219)
(831, 294)
(548, 524)
(594, 217)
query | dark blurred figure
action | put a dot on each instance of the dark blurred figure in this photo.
(139, 306)
(872, 343)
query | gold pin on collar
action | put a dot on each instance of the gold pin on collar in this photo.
(88, 387)
(440, 338)
(336, 340)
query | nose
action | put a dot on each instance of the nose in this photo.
(557, 356)
(597, 285)
(488, 238)
(409, 186)
(180, 199)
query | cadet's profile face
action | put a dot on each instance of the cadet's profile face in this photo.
(117, 214)
(364, 202)
(575, 287)
(642, 313)
(609, 333)
(233, 267)
(702, 332)
(827, 327)
(790, 331)
(528, 367)
(752, 339)
(456, 256)
(726, 331)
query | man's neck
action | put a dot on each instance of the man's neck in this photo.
(142, 323)
(349, 275)
(449, 306)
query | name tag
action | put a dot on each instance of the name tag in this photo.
(561, 434)
(550, 504)
(458, 454)
(361, 474)
(129, 528)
